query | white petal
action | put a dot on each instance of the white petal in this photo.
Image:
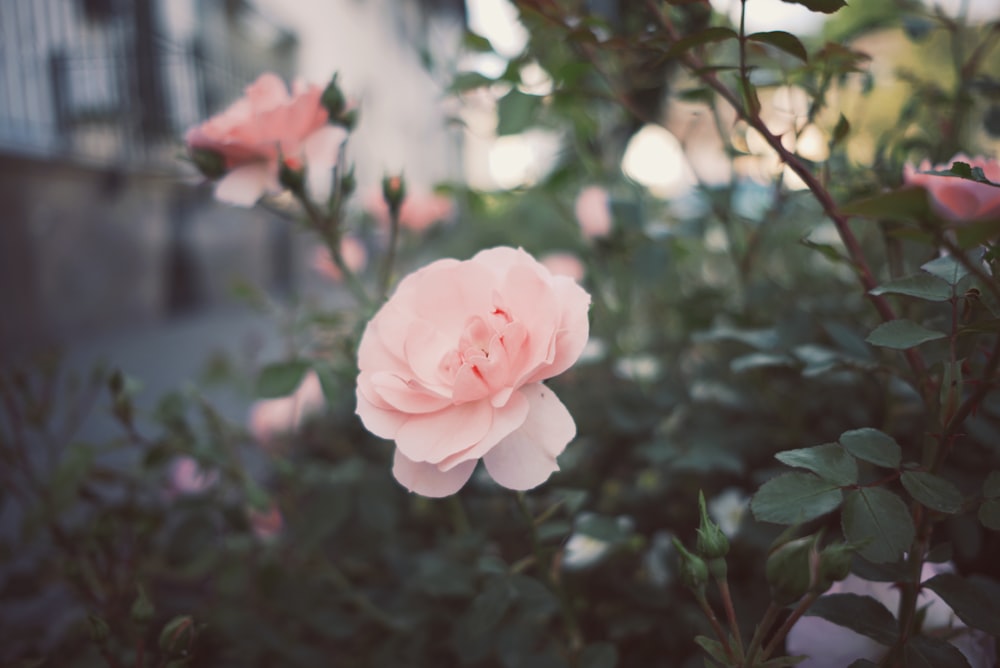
(244, 185)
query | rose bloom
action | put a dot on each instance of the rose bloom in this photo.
(956, 199)
(451, 369)
(186, 477)
(270, 418)
(418, 211)
(351, 249)
(593, 212)
(831, 646)
(266, 525)
(265, 125)
(564, 264)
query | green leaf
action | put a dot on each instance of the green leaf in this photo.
(598, 655)
(825, 6)
(879, 521)
(793, 498)
(760, 361)
(861, 614)
(924, 652)
(991, 486)
(714, 34)
(476, 42)
(829, 461)
(281, 379)
(970, 604)
(947, 268)
(902, 204)
(516, 111)
(932, 491)
(902, 334)
(989, 514)
(972, 234)
(465, 81)
(872, 446)
(713, 648)
(922, 286)
(780, 39)
(840, 131)
(489, 606)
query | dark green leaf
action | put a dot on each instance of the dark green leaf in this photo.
(872, 446)
(922, 286)
(932, 491)
(476, 42)
(489, 607)
(970, 604)
(714, 34)
(825, 6)
(598, 655)
(793, 498)
(902, 204)
(828, 461)
(879, 521)
(780, 39)
(759, 361)
(902, 334)
(713, 648)
(991, 486)
(280, 379)
(840, 131)
(465, 81)
(516, 111)
(924, 652)
(972, 234)
(948, 268)
(861, 614)
(989, 514)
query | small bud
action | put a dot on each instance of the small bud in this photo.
(834, 565)
(99, 631)
(394, 192)
(177, 635)
(693, 571)
(348, 119)
(790, 570)
(712, 542)
(333, 99)
(142, 609)
(349, 183)
(211, 164)
(291, 175)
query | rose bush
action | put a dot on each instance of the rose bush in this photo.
(451, 369)
(262, 128)
(956, 199)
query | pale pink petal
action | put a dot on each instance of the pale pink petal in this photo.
(379, 420)
(574, 328)
(407, 396)
(244, 185)
(427, 480)
(433, 437)
(267, 91)
(321, 149)
(527, 457)
(506, 419)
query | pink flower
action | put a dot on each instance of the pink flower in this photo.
(418, 211)
(956, 199)
(351, 249)
(266, 525)
(265, 125)
(564, 264)
(831, 646)
(593, 212)
(451, 369)
(269, 418)
(186, 477)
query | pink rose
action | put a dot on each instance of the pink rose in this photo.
(956, 199)
(265, 125)
(351, 249)
(186, 477)
(418, 211)
(451, 369)
(564, 264)
(593, 212)
(270, 418)
(831, 646)
(266, 525)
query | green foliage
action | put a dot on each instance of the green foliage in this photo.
(878, 521)
(861, 614)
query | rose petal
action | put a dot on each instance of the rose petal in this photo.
(321, 150)
(244, 185)
(379, 420)
(506, 419)
(527, 457)
(427, 480)
(433, 437)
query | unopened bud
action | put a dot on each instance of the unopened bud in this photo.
(834, 565)
(211, 164)
(394, 192)
(291, 175)
(333, 99)
(790, 570)
(693, 571)
(348, 119)
(142, 608)
(99, 631)
(712, 542)
(177, 635)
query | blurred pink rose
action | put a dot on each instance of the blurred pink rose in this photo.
(186, 477)
(419, 209)
(956, 199)
(351, 249)
(831, 646)
(593, 212)
(267, 524)
(451, 369)
(269, 418)
(264, 125)
(564, 264)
